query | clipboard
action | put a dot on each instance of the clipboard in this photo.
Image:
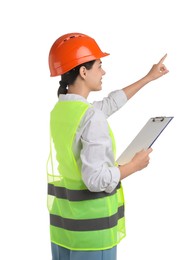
(145, 138)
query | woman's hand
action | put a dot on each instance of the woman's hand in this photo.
(157, 70)
(139, 162)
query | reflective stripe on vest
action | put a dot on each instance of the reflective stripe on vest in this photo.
(87, 224)
(79, 219)
(77, 195)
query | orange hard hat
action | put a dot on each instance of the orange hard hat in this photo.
(71, 50)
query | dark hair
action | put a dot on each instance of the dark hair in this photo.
(69, 77)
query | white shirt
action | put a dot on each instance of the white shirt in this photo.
(93, 145)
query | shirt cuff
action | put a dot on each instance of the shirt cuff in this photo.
(115, 176)
(120, 97)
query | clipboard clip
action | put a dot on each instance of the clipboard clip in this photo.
(158, 119)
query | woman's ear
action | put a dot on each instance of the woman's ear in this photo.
(82, 72)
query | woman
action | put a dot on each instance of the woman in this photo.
(85, 194)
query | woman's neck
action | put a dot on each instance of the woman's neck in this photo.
(78, 90)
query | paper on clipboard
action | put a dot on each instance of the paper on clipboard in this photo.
(145, 138)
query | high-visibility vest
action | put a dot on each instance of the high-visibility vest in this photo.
(79, 219)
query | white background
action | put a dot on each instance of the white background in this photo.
(136, 34)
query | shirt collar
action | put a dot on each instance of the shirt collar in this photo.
(72, 97)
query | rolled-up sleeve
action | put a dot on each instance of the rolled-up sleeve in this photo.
(112, 103)
(99, 172)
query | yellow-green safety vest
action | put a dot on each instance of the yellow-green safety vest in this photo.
(79, 219)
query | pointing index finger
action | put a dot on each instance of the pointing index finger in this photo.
(162, 59)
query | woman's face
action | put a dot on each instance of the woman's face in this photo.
(94, 76)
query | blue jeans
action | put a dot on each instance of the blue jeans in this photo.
(61, 253)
